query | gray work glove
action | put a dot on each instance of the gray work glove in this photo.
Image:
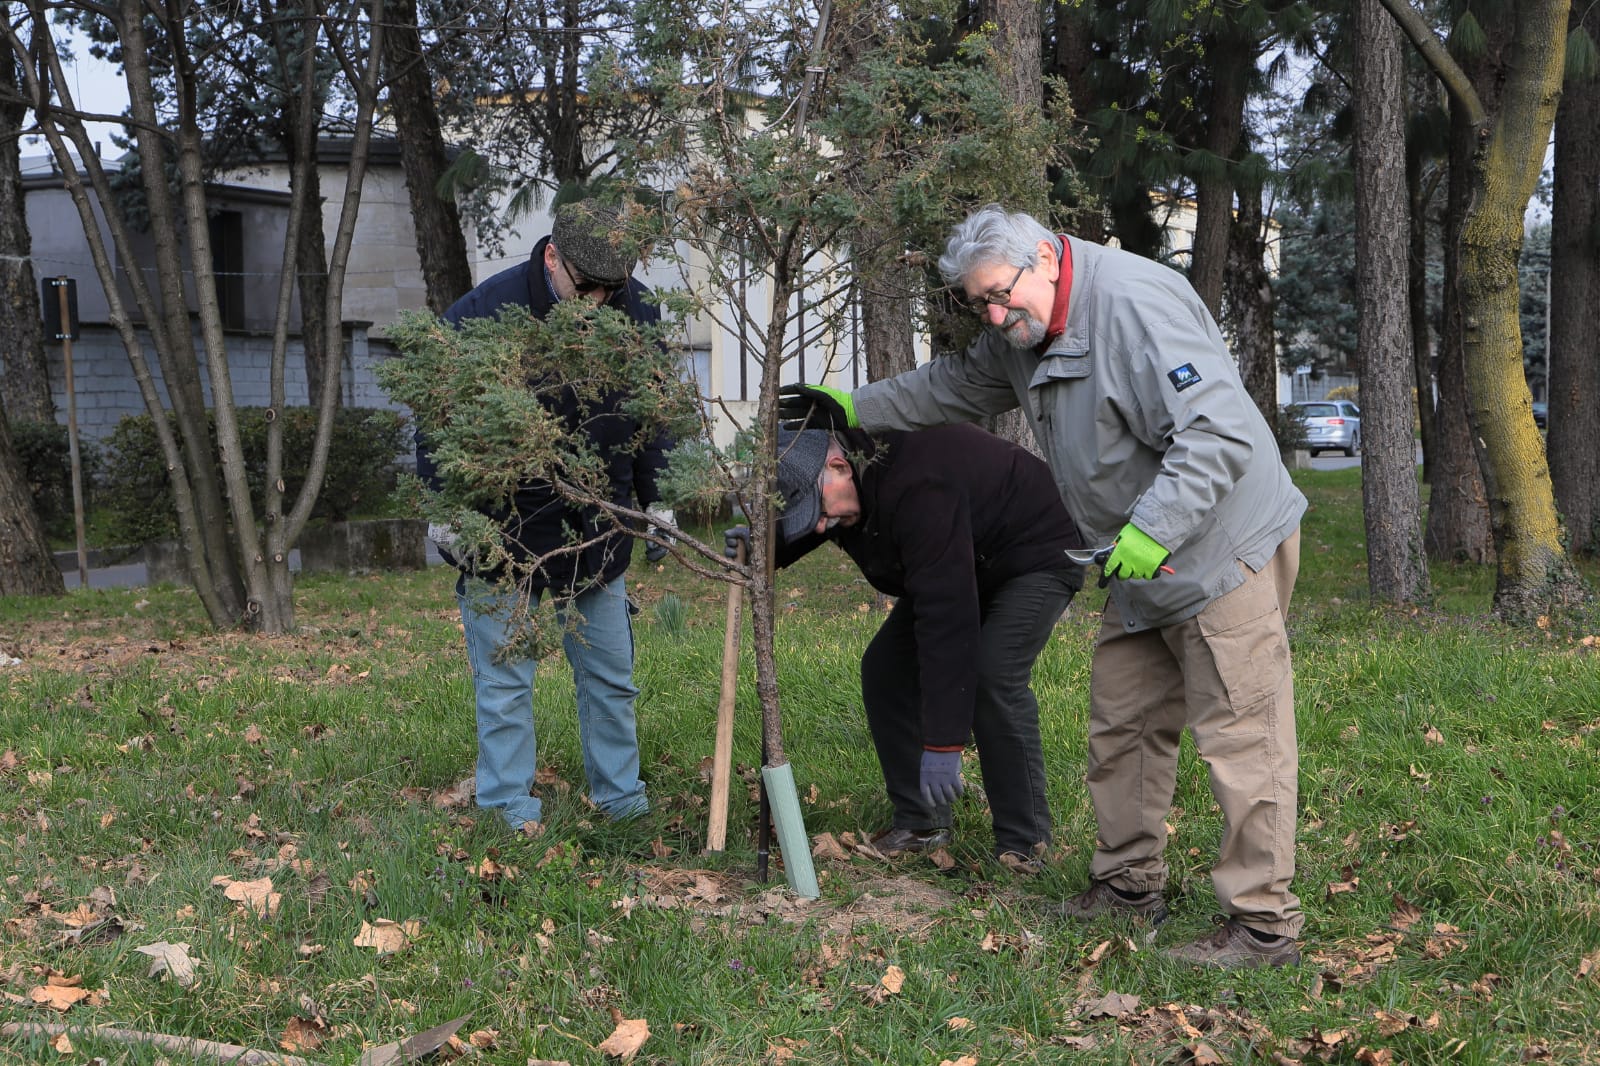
(941, 777)
(448, 541)
(733, 539)
(660, 518)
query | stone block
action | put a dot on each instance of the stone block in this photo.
(363, 547)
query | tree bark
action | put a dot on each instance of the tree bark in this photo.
(1018, 56)
(1458, 508)
(311, 277)
(208, 545)
(441, 245)
(1573, 436)
(27, 567)
(1391, 505)
(1419, 193)
(22, 360)
(1232, 61)
(1249, 292)
(1524, 61)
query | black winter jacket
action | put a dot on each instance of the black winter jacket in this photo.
(948, 515)
(538, 522)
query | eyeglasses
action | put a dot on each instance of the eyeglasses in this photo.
(998, 297)
(584, 286)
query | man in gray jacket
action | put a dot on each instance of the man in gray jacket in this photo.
(1155, 445)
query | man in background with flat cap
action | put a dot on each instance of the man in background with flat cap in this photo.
(584, 258)
(966, 530)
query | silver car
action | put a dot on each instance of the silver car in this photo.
(1330, 425)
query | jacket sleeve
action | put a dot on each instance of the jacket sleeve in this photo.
(1187, 402)
(933, 535)
(956, 388)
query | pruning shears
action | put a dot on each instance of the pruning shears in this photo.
(1098, 557)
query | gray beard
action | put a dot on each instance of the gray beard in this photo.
(1030, 337)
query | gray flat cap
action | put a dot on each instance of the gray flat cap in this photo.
(801, 457)
(588, 235)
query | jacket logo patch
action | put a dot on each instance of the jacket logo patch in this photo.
(1183, 376)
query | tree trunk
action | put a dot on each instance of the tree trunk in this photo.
(1458, 509)
(22, 361)
(311, 279)
(208, 546)
(1524, 58)
(440, 243)
(1573, 437)
(1018, 56)
(27, 567)
(1419, 193)
(1232, 60)
(886, 285)
(1391, 505)
(1249, 292)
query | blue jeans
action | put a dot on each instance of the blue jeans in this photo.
(600, 651)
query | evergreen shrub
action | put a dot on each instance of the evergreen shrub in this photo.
(363, 463)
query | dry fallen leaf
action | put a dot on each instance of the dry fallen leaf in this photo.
(958, 1024)
(965, 1060)
(303, 1034)
(256, 897)
(1203, 1054)
(386, 936)
(826, 846)
(170, 959)
(1405, 914)
(626, 1039)
(59, 993)
(1110, 1005)
(893, 979)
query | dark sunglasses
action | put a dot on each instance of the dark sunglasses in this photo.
(979, 305)
(584, 286)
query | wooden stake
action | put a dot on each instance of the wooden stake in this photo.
(722, 753)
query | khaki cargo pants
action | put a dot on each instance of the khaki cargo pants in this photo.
(1225, 675)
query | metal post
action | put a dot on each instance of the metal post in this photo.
(72, 433)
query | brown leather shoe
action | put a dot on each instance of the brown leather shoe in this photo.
(1234, 947)
(894, 842)
(1100, 900)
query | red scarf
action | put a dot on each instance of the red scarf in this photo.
(1058, 311)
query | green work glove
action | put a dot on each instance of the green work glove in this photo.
(816, 407)
(1135, 555)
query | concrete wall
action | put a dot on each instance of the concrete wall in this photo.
(107, 392)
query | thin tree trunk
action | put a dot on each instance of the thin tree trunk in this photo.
(179, 367)
(1419, 193)
(27, 567)
(45, 82)
(1458, 508)
(22, 359)
(1232, 60)
(1573, 438)
(1018, 49)
(311, 278)
(1391, 506)
(1249, 292)
(441, 246)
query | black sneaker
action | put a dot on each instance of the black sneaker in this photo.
(1100, 900)
(894, 842)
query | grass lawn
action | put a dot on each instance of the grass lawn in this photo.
(158, 776)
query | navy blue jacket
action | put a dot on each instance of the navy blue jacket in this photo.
(538, 522)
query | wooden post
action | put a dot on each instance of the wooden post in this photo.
(65, 335)
(722, 752)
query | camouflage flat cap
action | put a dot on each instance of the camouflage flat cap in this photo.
(588, 235)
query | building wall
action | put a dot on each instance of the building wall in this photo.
(106, 391)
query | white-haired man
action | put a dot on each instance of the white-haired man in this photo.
(1154, 444)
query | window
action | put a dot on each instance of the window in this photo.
(227, 263)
